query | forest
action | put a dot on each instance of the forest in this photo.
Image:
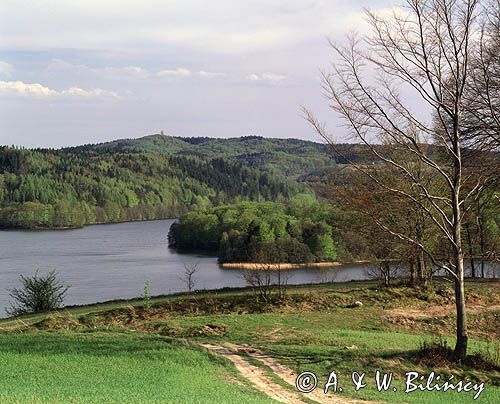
(155, 177)
(294, 232)
(73, 187)
(293, 158)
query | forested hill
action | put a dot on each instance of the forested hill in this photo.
(154, 177)
(96, 184)
(293, 158)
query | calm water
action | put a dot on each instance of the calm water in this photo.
(113, 261)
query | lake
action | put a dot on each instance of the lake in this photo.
(112, 261)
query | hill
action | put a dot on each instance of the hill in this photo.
(155, 177)
(77, 186)
(293, 158)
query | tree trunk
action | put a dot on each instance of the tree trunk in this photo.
(427, 272)
(420, 269)
(471, 250)
(279, 284)
(461, 346)
(481, 238)
(412, 272)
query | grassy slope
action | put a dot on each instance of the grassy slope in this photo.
(102, 368)
(312, 330)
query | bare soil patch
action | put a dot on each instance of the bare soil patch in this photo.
(235, 353)
(256, 376)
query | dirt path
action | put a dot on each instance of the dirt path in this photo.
(258, 378)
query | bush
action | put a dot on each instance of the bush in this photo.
(37, 294)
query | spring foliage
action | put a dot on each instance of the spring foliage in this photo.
(74, 187)
(298, 231)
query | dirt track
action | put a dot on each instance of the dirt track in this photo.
(256, 375)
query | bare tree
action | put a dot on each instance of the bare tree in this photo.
(326, 275)
(361, 195)
(383, 271)
(421, 53)
(189, 276)
(481, 119)
(260, 278)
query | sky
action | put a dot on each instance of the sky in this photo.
(89, 71)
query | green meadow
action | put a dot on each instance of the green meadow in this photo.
(121, 353)
(62, 367)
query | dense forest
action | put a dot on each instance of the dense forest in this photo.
(154, 177)
(297, 231)
(293, 158)
(73, 187)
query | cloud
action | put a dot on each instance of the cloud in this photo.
(111, 72)
(36, 90)
(272, 77)
(253, 77)
(266, 77)
(6, 69)
(210, 75)
(81, 93)
(26, 90)
(178, 73)
(222, 26)
(123, 72)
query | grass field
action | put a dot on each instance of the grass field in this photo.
(121, 353)
(62, 367)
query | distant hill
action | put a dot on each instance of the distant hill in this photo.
(156, 176)
(89, 184)
(293, 158)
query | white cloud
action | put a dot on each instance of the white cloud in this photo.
(272, 77)
(25, 90)
(253, 77)
(112, 72)
(210, 75)
(123, 72)
(36, 90)
(178, 73)
(266, 77)
(62, 65)
(93, 93)
(226, 26)
(126, 72)
(6, 69)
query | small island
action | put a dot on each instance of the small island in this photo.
(292, 234)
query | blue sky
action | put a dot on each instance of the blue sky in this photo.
(86, 71)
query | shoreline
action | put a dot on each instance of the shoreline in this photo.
(255, 266)
(64, 228)
(139, 300)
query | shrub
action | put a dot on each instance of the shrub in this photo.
(38, 293)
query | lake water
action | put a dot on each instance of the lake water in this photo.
(113, 261)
